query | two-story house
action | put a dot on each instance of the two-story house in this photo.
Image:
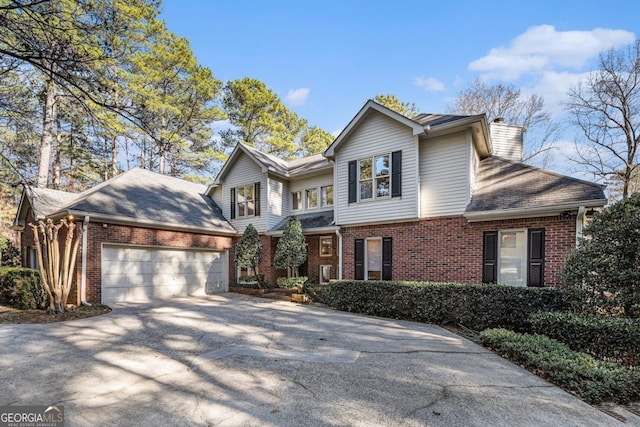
(436, 197)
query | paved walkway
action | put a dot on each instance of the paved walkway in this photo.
(233, 360)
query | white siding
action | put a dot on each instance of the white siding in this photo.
(278, 201)
(217, 196)
(507, 141)
(245, 172)
(310, 183)
(444, 175)
(377, 134)
(473, 169)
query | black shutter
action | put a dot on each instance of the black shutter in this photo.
(353, 181)
(359, 257)
(233, 203)
(490, 257)
(256, 199)
(535, 257)
(387, 256)
(396, 174)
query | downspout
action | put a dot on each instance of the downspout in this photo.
(83, 278)
(579, 224)
(339, 254)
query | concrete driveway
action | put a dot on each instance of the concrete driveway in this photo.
(233, 360)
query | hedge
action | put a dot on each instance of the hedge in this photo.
(593, 380)
(21, 288)
(475, 306)
(607, 338)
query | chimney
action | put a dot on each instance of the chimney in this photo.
(506, 140)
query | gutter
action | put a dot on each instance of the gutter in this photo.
(83, 277)
(319, 230)
(531, 212)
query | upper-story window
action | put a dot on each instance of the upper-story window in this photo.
(296, 200)
(311, 198)
(245, 201)
(326, 195)
(376, 177)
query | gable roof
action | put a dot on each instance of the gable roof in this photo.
(508, 189)
(43, 201)
(422, 124)
(145, 198)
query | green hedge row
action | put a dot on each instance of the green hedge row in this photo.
(475, 306)
(612, 338)
(21, 288)
(593, 380)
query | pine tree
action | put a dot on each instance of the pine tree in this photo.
(291, 251)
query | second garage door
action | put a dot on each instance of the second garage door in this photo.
(131, 273)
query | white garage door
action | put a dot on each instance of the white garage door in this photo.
(131, 273)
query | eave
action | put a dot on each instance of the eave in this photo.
(542, 211)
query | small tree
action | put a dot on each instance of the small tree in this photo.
(249, 250)
(56, 269)
(291, 250)
(607, 262)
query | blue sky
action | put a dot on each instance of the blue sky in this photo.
(326, 58)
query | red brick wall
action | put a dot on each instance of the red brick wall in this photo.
(450, 248)
(314, 260)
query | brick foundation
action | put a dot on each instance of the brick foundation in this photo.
(449, 249)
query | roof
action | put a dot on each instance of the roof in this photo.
(309, 221)
(505, 185)
(428, 119)
(45, 201)
(148, 198)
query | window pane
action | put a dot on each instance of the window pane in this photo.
(382, 166)
(240, 208)
(365, 169)
(326, 246)
(382, 187)
(251, 208)
(327, 195)
(374, 259)
(249, 192)
(240, 194)
(296, 200)
(512, 258)
(325, 273)
(365, 189)
(312, 198)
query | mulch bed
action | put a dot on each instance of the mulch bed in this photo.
(14, 315)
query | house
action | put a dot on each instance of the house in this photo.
(435, 197)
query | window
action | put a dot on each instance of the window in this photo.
(325, 273)
(311, 197)
(373, 258)
(514, 257)
(326, 246)
(326, 195)
(244, 273)
(378, 177)
(245, 201)
(296, 200)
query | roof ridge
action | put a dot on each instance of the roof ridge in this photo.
(546, 171)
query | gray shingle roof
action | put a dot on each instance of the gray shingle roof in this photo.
(45, 201)
(427, 119)
(309, 220)
(148, 197)
(504, 184)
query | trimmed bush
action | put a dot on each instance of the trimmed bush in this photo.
(292, 282)
(475, 306)
(607, 338)
(21, 288)
(593, 380)
(252, 282)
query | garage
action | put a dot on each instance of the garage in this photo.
(136, 274)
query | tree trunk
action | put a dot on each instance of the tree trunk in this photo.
(46, 141)
(57, 160)
(114, 141)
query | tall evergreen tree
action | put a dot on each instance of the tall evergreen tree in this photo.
(249, 250)
(407, 109)
(291, 250)
(315, 140)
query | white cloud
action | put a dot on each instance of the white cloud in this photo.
(542, 47)
(553, 87)
(429, 84)
(297, 97)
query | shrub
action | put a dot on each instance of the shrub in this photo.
(249, 250)
(9, 253)
(292, 282)
(474, 306)
(291, 250)
(593, 380)
(607, 262)
(617, 339)
(253, 282)
(21, 288)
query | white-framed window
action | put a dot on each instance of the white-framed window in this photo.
(326, 246)
(326, 195)
(325, 274)
(373, 259)
(296, 200)
(243, 273)
(374, 177)
(311, 198)
(245, 201)
(512, 257)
